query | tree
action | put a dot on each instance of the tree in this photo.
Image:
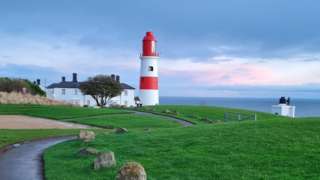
(17, 85)
(101, 88)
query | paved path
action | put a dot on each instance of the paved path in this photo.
(24, 162)
(180, 121)
(27, 122)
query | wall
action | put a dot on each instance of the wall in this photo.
(126, 98)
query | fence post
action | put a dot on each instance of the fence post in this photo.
(255, 116)
(239, 117)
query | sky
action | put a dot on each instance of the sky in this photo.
(208, 48)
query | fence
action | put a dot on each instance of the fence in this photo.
(232, 116)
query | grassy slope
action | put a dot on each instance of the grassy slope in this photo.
(127, 121)
(275, 149)
(12, 136)
(84, 115)
(196, 113)
(249, 150)
(55, 112)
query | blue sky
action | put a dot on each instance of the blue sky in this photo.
(233, 48)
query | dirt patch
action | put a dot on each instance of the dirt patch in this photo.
(26, 122)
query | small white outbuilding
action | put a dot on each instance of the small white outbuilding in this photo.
(284, 108)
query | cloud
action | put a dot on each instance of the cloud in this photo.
(54, 56)
(62, 53)
(226, 70)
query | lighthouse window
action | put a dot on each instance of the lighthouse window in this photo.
(150, 68)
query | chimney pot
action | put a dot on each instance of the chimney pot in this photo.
(113, 77)
(63, 79)
(74, 77)
(118, 79)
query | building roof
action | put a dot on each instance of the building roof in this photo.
(126, 86)
(71, 84)
(66, 84)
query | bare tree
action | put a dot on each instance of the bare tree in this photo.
(101, 88)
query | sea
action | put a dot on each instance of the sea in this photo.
(304, 107)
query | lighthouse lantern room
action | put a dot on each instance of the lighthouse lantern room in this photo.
(149, 90)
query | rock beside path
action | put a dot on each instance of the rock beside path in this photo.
(88, 151)
(104, 160)
(87, 136)
(132, 171)
(121, 130)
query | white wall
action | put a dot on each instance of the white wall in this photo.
(74, 96)
(284, 110)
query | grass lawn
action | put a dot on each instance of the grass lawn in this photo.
(12, 136)
(127, 121)
(196, 114)
(273, 149)
(55, 112)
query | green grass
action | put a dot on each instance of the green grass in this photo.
(55, 112)
(285, 149)
(13, 136)
(133, 121)
(271, 148)
(196, 114)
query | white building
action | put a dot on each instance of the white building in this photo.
(284, 108)
(68, 91)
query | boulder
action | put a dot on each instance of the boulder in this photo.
(87, 136)
(121, 130)
(16, 145)
(104, 160)
(167, 111)
(132, 171)
(88, 151)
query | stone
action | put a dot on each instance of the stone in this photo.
(207, 120)
(104, 160)
(87, 136)
(16, 145)
(88, 151)
(167, 111)
(132, 171)
(121, 130)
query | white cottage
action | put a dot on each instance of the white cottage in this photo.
(68, 91)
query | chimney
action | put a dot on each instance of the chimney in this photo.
(38, 82)
(74, 77)
(113, 77)
(63, 79)
(118, 79)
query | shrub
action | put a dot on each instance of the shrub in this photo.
(19, 85)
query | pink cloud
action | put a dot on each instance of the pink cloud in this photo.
(239, 71)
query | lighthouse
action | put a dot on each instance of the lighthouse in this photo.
(149, 90)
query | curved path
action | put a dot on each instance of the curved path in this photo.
(180, 121)
(25, 162)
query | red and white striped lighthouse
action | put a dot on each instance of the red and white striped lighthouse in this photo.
(149, 92)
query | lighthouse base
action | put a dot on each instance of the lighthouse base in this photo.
(149, 97)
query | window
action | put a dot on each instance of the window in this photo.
(63, 91)
(125, 92)
(76, 92)
(150, 68)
